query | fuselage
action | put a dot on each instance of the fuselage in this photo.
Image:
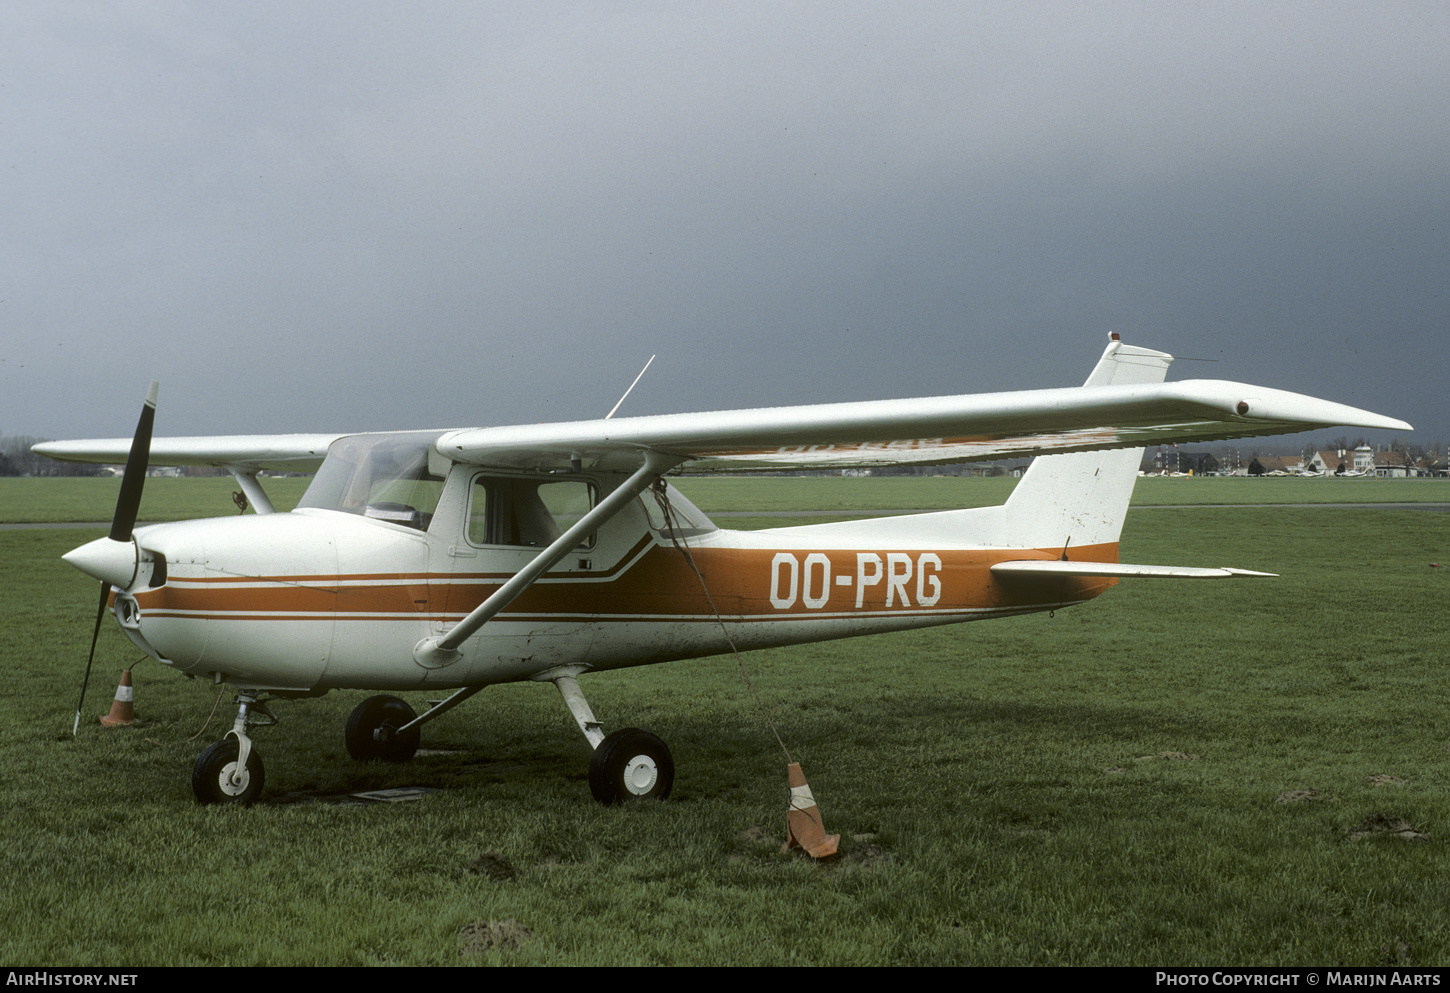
(318, 599)
(459, 558)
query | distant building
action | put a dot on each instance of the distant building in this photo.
(1336, 462)
(1395, 465)
(1264, 465)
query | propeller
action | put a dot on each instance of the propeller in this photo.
(128, 503)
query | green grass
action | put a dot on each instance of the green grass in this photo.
(718, 495)
(1238, 490)
(66, 499)
(1096, 787)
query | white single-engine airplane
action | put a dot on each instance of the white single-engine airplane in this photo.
(432, 560)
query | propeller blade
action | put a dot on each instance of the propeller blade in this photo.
(132, 483)
(123, 522)
(95, 634)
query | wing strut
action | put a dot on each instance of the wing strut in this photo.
(246, 477)
(434, 653)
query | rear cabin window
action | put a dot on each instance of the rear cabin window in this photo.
(527, 512)
(684, 519)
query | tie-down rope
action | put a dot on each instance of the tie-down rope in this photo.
(677, 538)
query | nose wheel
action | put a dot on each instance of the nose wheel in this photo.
(222, 776)
(230, 770)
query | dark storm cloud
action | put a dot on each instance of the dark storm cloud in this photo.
(338, 216)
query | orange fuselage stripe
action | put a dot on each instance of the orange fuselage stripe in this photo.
(658, 584)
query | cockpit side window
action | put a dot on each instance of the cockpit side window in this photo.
(526, 512)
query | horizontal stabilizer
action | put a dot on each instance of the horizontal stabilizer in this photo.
(1059, 569)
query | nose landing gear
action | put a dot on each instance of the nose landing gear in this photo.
(230, 770)
(221, 775)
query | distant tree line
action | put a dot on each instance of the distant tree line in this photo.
(16, 459)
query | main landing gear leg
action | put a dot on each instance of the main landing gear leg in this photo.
(627, 765)
(230, 771)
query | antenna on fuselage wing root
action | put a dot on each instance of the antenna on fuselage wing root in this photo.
(631, 388)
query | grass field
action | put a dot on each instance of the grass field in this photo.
(1172, 774)
(174, 499)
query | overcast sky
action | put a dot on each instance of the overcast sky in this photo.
(336, 216)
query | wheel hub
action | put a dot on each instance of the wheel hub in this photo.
(234, 779)
(640, 775)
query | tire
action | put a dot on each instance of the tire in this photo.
(211, 777)
(386, 714)
(631, 764)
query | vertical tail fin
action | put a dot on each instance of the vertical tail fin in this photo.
(1082, 498)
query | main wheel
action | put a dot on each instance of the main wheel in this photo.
(631, 765)
(216, 779)
(372, 730)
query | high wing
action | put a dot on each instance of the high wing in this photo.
(242, 452)
(924, 431)
(929, 430)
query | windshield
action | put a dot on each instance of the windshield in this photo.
(383, 476)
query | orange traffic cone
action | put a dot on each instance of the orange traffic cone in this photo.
(803, 825)
(121, 709)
